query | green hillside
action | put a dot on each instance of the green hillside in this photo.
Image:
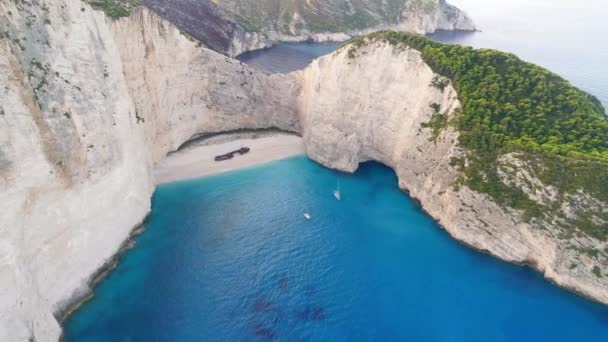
(509, 105)
(314, 15)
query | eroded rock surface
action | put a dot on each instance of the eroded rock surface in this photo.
(88, 105)
(379, 98)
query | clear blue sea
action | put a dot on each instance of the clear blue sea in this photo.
(232, 258)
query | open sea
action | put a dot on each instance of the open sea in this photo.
(231, 257)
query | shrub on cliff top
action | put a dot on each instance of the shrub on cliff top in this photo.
(114, 8)
(508, 101)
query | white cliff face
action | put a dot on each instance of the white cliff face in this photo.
(181, 89)
(364, 109)
(88, 106)
(70, 157)
(369, 103)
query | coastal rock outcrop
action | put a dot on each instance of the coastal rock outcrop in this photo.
(382, 99)
(88, 105)
(233, 27)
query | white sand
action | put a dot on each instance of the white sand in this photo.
(198, 161)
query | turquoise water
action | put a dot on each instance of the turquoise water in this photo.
(231, 258)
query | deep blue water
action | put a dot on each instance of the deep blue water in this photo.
(231, 258)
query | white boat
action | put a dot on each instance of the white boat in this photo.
(307, 215)
(337, 194)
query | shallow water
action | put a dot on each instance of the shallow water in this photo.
(231, 258)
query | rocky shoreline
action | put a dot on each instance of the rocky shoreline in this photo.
(533, 266)
(394, 136)
(75, 302)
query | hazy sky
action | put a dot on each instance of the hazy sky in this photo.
(569, 37)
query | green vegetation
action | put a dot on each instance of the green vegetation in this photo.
(597, 271)
(359, 20)
(248, 24)
(437, 122)
(509, 105)
(293, 16)
(114, 8)
(38, 77)
(427, 6)
(440, 82)
(139, 118)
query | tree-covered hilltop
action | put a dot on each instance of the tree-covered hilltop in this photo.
(114, 8)
(285, 16)
(509, 105)
(293, 17)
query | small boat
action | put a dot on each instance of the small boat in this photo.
(224, 156)
(230, 155)
(307, 215)
(337, 194)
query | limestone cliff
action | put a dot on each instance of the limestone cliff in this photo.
(382, 98)
(88, 105)
(236, 26)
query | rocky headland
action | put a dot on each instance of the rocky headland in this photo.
(90, 104)
(233, 27)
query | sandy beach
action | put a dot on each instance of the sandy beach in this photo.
(197, 160)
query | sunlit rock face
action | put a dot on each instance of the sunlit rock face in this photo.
(88, 106)
(374, 102)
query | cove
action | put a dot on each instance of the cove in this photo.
(231, 258)
(286, 57)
